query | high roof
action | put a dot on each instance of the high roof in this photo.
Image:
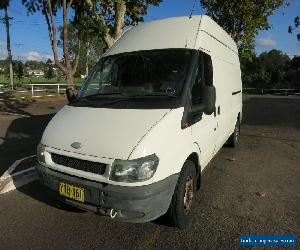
(176, 32)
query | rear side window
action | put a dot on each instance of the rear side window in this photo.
(208, 69)
(204, 77)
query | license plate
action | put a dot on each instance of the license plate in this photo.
(72, 192)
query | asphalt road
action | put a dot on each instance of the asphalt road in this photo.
(253, 189)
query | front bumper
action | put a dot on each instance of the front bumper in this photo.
(134, 204)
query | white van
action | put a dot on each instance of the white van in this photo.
(153, 112)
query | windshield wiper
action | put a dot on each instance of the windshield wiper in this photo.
(103, 94)
(126, 98)
(163, 95)
(137, 97)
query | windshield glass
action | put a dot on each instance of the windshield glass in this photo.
(155, 73)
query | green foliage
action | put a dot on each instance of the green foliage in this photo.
(90, 41)
(35, 65)
(49, 72)
(242, 19)
(117, 14)
(135, 10)
(271, 69)
(296, 25)
(293, 73)
(91, 21)
(19, 70)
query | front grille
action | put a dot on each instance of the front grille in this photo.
(83, 165)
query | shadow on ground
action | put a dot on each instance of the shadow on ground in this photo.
(40, 193)
(15, 106)
(22, 135)
(272, 111)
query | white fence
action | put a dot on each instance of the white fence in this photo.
(57, 89)
(38, 88)
(262, 91)
(35, 91)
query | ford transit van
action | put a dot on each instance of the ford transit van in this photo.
(155, 109)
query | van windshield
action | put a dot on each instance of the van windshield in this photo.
(141, 74)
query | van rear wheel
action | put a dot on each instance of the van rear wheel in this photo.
(183, 198)
(233, 139)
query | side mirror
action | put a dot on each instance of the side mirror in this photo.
(209, 99)
(70, 94)
(197, 108)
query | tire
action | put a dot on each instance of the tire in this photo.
(178, 214)
(233, 139)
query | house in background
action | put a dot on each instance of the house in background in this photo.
(36, 73)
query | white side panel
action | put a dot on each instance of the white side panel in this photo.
(216, 49)
(227, 81)
(211, 27)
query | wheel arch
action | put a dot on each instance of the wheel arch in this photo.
(194, 157)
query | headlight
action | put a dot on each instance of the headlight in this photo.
(40, 153)
(141, 169)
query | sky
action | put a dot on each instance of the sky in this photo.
(30, 40)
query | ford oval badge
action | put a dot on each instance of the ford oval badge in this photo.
(76, 145)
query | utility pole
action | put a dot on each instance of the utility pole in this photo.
(9, 54)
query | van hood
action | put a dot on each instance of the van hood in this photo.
(102, 132)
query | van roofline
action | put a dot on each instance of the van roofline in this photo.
(174, 32)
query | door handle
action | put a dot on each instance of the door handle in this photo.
(219, 110)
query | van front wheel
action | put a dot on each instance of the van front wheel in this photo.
(183, 198)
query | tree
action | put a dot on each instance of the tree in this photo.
(113, 15)
(293, 73)
(90, 54)
(91, 40)
(49, 9)
(19, 70)
(105, 20)
(4, 4)
(117, 14)
(49, 69)
(268, 70)
(296, 25)
(242, 19)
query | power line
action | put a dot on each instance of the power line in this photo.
(193, 9)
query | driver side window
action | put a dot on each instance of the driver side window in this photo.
(204, 77)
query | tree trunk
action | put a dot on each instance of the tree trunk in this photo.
(108, 40)
(120, 9)
(66, 67)
(69, 79)
(87, 60)
(117, 31)
(9, 55)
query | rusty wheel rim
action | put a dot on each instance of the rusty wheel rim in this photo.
(189, 194)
